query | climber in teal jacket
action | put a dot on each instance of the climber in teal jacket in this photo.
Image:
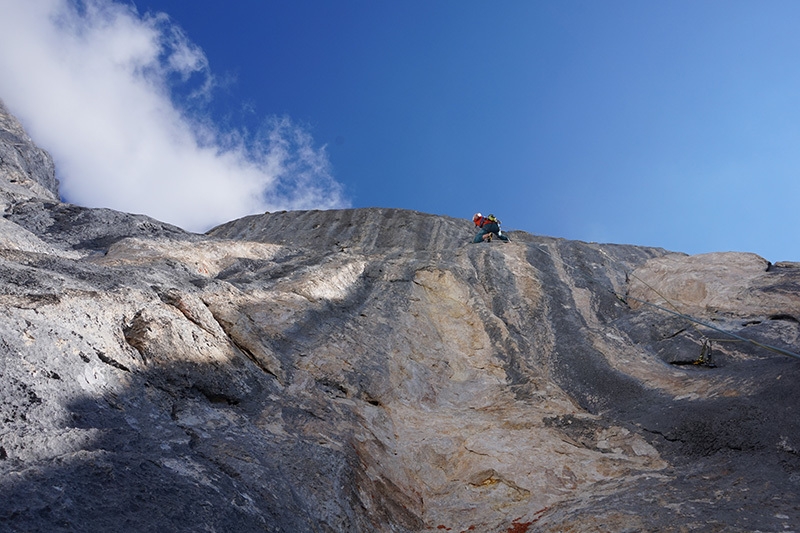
(488, 226)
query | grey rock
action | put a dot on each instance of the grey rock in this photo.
(87, 231)
(372, 370)
(27, 169)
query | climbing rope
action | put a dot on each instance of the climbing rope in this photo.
(705, 352)
(715, 328)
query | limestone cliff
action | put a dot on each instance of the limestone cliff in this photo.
(370, 370)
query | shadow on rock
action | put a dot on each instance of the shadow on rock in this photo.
(158, 457)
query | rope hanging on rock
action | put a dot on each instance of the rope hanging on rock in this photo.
(675, 312)
(715, 328)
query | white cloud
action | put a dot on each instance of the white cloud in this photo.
(92, 83)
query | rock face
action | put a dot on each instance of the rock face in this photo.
(26, 169)
(370, 370)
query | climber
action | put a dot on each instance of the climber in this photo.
(489, 226)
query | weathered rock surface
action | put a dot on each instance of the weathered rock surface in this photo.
(369, 370)
(27, 170)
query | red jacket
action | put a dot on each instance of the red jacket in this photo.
(480, 222)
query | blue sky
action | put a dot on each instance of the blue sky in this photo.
(672, 124)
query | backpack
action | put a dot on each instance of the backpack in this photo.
(492, 219)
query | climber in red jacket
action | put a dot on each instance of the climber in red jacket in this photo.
(489, 226)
